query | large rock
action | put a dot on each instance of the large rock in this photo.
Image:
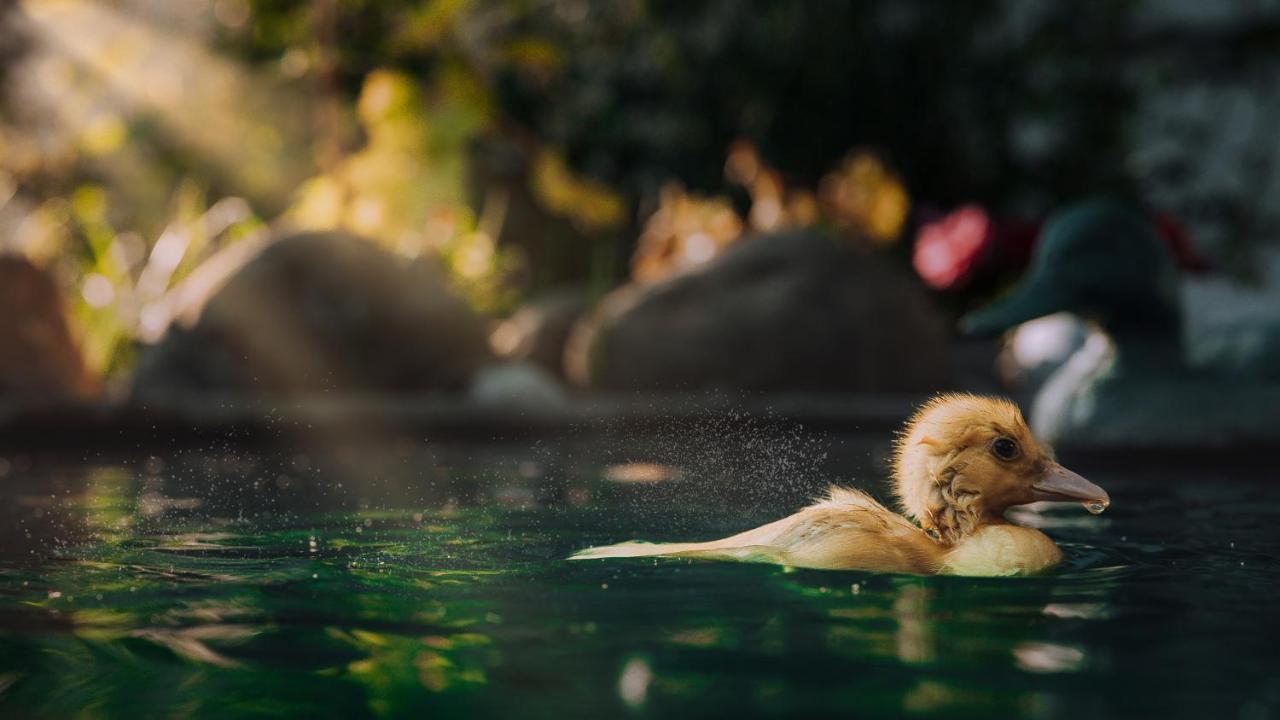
(795, 311)
(39, 358)
(314, 313)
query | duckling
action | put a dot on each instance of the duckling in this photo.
(961, 461)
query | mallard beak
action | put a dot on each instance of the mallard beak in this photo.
(1028, 301)
(1060, 484)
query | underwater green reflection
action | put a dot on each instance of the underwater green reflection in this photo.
(389, 605)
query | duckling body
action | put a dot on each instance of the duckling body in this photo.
(951, 474)
(849, 529)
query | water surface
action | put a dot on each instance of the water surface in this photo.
(396, 582)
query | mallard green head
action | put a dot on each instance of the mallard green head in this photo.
(1102, 259)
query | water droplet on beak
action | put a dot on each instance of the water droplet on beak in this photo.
(1095, 507)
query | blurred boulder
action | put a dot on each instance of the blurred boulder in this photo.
(39, 359)
(314, 313)
(794, 311)
(538, 331)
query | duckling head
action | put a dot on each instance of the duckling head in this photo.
(962, 460)
(1101, 259)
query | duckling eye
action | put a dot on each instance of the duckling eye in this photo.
(1004, 448)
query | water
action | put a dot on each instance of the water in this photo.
(399, 581)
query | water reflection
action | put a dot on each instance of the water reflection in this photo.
(634, 681)
(914, 637)
(1048, 657)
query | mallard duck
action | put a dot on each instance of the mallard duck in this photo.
(961, 461)
(1132, 383)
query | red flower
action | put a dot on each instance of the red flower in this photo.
(947, 249)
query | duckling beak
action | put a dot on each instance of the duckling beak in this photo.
(1060, 484)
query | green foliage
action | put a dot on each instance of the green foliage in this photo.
(642, 93)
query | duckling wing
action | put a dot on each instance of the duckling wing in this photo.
(750, 546)
(850, 530)
(846, 530)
